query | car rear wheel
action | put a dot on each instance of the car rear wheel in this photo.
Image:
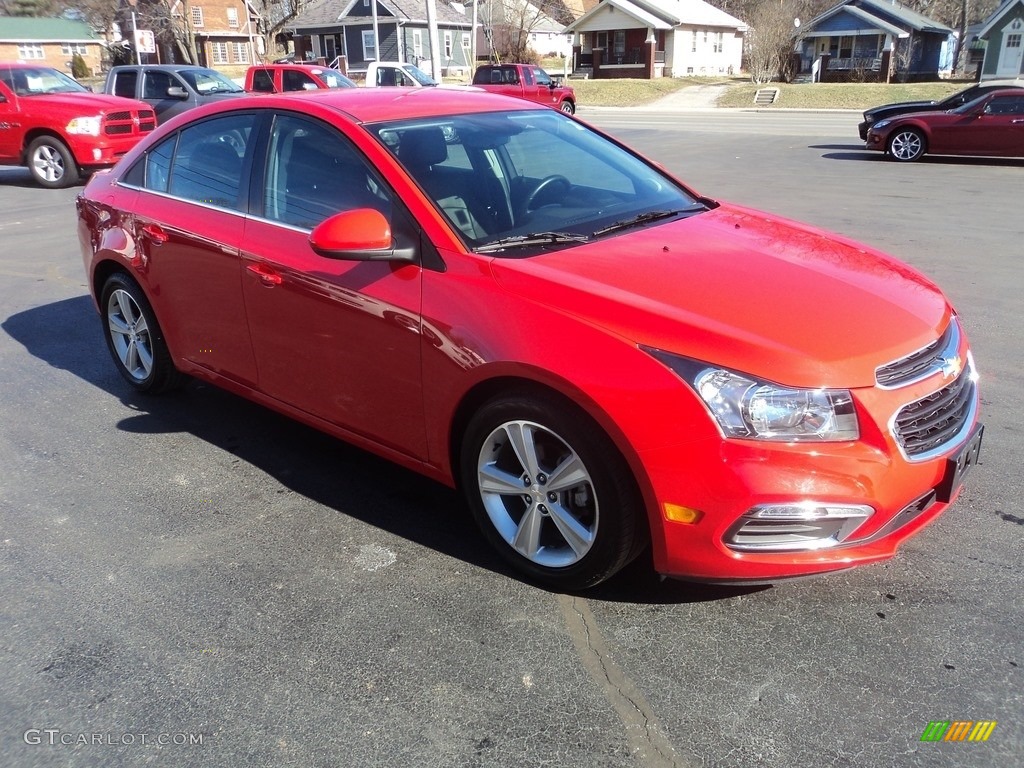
(134, 338)
(51, 163)
(906, 145)
(567, 107)
(550, 491)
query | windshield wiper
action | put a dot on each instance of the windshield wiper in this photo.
(644, 218)
(534, 238)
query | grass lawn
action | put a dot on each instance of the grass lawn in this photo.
(630, 93)
(841, 95)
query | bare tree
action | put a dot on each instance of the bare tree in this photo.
(770, 40)
(509, 24)
(275, 17)
(904, 53)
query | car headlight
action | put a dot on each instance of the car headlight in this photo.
(880, 124)
(744, 406)
(88, 126)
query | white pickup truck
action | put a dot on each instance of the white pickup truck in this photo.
(395, 73)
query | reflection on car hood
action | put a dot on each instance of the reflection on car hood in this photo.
(85, 103)
(746, 290)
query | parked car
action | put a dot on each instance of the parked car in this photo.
(278, 78)
(525, 81)
(171, 89)
(990, 126)
(958, 99)
(381, 74)
(506, 300)
(59, 129)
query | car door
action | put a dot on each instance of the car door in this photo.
(1004, 120)
(337, 339)
(10, 130)
(189, 218)
(155, 86)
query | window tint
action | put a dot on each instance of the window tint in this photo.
(314, 172)
(124, 83)
(1005, 105)
(208, 164)
(297, 81)
(156, 85)
(262, 81)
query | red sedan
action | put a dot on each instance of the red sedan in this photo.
(508, 301)
(992, 126)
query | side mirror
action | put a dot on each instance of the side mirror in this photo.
(362, 234)
(177, 92)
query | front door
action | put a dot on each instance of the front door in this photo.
(1011, 50)
(338, 339)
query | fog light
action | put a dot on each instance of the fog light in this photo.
(805, 525)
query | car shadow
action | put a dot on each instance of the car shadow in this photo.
(67, 335)
(856, 152)
(16, 177)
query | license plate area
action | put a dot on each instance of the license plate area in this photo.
(958, 466)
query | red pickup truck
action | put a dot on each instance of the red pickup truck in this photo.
(527, 82)
(278, 78)
(59, 129)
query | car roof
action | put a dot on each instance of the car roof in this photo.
(166, 67)
(371, 105)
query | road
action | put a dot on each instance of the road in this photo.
(196, 569)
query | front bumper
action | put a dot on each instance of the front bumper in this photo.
(723, 480)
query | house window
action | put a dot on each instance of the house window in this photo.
(465, 41)
(693, 46)
(220, 53)
(369, 46)
(705, 37)
(70, 49)
(197, 16)
(1013, 41)
(718, 42)
(448, 46)
(417, 43)
(31, 51)
(233, 18)
(620, 45)
(240, 52)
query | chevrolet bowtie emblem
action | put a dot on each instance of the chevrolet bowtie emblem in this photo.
(951, 367)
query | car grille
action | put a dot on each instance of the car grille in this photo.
(124, 123)
(929, 426)
(921, 364)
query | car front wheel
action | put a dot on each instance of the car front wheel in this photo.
(567, 107)
(906, 145)
(134, 338)
(51, 163)
(550, 491)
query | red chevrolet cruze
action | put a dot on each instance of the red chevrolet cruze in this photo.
(508, 301)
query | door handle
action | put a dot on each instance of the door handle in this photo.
(266, 275)
(1018, 120)
(155, 233)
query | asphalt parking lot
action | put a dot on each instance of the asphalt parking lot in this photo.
(193, 580)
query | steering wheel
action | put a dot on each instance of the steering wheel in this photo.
(547, 183)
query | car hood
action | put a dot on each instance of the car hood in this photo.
(745, 290)
(85, 103)
(902, 106)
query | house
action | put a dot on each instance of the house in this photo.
(656, 38)
(539, 26)
(51, 42)
(227, 34)
(875, 40)
(340, 33)
(1003, 32)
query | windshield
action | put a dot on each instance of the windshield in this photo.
(418, 74)
(32, 81)
(333, 78)
(210, 81)
(969, 106)
(515, 183)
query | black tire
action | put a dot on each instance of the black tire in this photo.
(134, 338)
(568, 107)
(586, 525)
(907, 145)
(51, 163)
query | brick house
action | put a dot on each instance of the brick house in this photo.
(51, 42)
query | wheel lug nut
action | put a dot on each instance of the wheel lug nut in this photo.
(527, 498)
(542, 478)
(527, 481)
(552, 496)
